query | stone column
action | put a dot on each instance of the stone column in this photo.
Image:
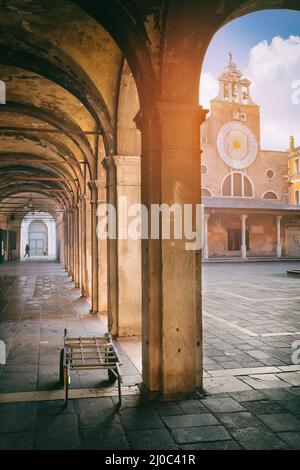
(102, 250)
(171, 274)
(112, 252)
(83, 244)
(278, 230)
(77, 248)
(125, 301)
(94, 239)
(205, 248)
(71, 244)
(7, 243)
(244, 243)
(66, 238)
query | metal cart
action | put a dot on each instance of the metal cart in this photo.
(89, 353)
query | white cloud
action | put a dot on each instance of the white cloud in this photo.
(272, 68)
(209, 87)
(272, 61)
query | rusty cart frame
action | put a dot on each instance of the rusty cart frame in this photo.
(89, 353)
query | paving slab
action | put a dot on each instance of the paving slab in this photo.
(239, 420)
(292, 378)
(189, 421)
(192, 406)
(159, 439)
(112, 437)
(291, 438)
(219, 445)
(281, 422)
(222, 405)
(258, 438)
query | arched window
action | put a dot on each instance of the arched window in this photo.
(206, 192)
(237, 184)
(270, 195)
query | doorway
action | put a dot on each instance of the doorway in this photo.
(234, 239)
(38, 239)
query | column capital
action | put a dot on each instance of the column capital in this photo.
(121, 160)
(92, 184)
(278, 218)
(243, 217)
(162, 110)
(108, 163)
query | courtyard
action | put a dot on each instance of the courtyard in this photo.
(251, 397)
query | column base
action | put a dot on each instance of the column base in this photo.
(244, 252)
(93, 312)
(278, 251)
(160, 396)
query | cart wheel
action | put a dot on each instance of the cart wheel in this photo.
(111, 376)
(61, 367)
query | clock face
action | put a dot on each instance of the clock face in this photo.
(237, 145)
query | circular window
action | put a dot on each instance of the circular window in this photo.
(204, 169)
(270, 174)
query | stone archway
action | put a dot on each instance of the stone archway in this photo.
(38, 230)
(38, 238)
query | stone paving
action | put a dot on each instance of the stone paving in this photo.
(251, 319)
(255, 411)
(37, 302)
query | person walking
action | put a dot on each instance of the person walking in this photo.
(27, 251)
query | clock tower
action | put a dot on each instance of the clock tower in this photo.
(244, 188)
(235, 120)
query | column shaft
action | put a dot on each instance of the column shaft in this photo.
(205, 248)
(278, 237)
(112, 253)
(171, 274)
(244, 241)
(95, 263)
(83, 245)
(125, 303)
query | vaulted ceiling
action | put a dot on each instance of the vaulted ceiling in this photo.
(61, 61)
(62, 71)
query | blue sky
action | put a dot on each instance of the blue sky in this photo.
(271, 64)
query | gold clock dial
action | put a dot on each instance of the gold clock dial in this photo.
(236, 144)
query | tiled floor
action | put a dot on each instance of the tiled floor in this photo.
(258, 409)
(37, 301)
(248, 309)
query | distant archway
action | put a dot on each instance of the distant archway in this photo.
(38, 230)
(38, 238)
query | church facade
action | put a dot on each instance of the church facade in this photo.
(249, 194)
